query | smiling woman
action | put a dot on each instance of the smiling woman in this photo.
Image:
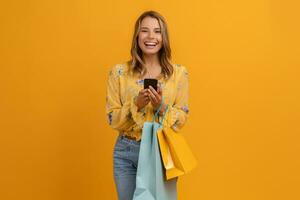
(150, 38)
(129, 104)
(150, 45)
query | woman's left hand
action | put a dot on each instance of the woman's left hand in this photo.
(155, 96)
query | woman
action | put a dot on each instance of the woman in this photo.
(129, 105)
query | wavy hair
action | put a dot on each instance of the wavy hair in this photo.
(137, 64)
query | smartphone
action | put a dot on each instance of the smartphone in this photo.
(150, 81)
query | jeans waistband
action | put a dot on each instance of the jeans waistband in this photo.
(128, 141)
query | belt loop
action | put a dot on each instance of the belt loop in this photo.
(121, 136)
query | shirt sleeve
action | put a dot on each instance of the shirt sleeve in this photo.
(123, 117)
(177, 114)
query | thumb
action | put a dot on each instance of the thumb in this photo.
(159, 90)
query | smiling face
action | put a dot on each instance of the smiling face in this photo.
(150, 37)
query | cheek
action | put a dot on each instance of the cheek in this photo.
(140, 43)
(160, 41)
(140, 39)
(159, 38)
(142, 36)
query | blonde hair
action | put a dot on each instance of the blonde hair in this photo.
(137, 64)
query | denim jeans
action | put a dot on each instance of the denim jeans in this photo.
(125, 162)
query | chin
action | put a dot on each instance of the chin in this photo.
(150, 52)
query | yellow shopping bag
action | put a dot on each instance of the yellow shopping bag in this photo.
(176, 154)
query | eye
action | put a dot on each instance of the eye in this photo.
(157, 31)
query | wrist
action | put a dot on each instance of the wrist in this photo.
(162, 109)
(138, 107)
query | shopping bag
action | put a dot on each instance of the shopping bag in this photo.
(176, 154)
(150, 179)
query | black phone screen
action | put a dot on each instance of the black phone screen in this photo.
(150, 81)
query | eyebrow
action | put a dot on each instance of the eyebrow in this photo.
(148, 28)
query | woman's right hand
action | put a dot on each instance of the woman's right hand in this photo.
(142, 99)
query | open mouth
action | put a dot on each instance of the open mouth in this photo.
(150, 44)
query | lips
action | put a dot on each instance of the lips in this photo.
(150, 44)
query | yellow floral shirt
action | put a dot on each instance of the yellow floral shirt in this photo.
(123, 88)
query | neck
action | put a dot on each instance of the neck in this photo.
(151, 61)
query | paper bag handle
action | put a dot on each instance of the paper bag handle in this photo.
(157, 111)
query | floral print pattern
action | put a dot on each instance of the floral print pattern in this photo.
(122, 113)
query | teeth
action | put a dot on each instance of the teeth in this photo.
(150, 43)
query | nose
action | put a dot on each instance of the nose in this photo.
(151, 34)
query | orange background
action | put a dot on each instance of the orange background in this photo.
(243, 59)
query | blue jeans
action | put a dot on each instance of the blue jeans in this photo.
(125, 162)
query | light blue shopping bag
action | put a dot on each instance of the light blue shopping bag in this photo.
(151, 183)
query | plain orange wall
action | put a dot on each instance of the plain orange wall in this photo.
(243, 59)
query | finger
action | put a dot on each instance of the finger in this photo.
(153, 91)
(159, 90)
(157, 96)
(145, 93)
(146, 100)
(152, 100)
(142, 92)
(153, 97)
